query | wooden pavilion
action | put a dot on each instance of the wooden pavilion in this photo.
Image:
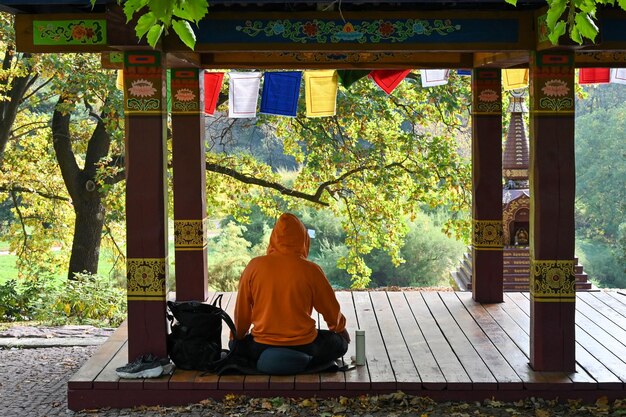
(484, 35)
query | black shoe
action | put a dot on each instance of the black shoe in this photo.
(146, 366)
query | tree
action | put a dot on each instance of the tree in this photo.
(601, 172)
(16, 78)
(82, 184)
(379, 161)
(31, 179)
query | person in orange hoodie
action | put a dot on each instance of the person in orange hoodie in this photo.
(277, 294)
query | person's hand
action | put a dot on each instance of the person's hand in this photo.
(345, 335)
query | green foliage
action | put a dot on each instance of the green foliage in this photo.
(602, 263)
(601, 172)
(328, 257)
(157, 16)
(621, 246)
(577, 17)
(427, 251)
(379, 161)
(89, 299)
(229, 253)
(429, 256)
(16, 303)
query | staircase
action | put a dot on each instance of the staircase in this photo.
(516, 263)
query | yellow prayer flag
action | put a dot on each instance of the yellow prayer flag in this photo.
(320, 87)
(514, 78)
(119, 82)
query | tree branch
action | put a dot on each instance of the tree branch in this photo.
(19, 215)
(63, 150)
(314, 198)
(39, 125)
(31, 191)
(98, 146)
(120, 253)
(263, 183)
(9, 108)
(39, 87)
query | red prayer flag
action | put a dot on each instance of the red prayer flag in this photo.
(388, 80)
(212, 87)
(594, 75)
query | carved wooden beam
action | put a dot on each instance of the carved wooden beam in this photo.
(501, 59)
(335, 60)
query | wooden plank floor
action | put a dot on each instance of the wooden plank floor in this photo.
(437, 344)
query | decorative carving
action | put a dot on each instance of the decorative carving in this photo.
(190, 234)
(489, 101)
(146, 278)
(186, 94)
(515, 173)
(508, 215)
(599, 58)
(143, 83)
(342, 56)
(486, 84)
(69, 32)
(552, 83)
(552, 280)
(370, 31)
(555, 92)
(487, 234)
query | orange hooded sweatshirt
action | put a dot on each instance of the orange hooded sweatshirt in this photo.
(278, 291)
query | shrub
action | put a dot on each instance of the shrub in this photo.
(602, 263)
(429, 254)
(229, 254)
(16, 303)
(326, 258)
(89, 299)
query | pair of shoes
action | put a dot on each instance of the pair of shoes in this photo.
(145, 366)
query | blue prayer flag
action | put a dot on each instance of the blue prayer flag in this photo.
(464, 72)
(280, 93)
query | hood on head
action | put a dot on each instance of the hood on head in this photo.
(289, 237)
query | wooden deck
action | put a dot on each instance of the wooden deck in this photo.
(437, 344)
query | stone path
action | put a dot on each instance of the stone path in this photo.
(33, 382)
(44, 336)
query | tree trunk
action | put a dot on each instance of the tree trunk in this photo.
(83, 190)
(87, 232)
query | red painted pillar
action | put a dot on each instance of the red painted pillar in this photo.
(146, 202)
(552, 192)
(487, 185)
(189, 167)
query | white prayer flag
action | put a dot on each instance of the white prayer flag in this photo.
(433, 78)
(243, 94)
(618, 75)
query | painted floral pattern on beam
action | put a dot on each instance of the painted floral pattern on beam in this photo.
(556, 99)
(69, 32)
(375, 31)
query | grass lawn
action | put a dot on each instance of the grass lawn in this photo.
(9, 271)
(7, 267)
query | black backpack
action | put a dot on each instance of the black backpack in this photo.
(195, 341)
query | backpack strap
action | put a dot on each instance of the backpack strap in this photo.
(219, 366)
(218, 301)
(224, 315)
